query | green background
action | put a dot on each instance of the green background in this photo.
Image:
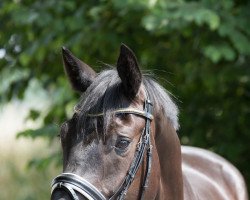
(198, 50)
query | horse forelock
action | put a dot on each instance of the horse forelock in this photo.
(105, 95)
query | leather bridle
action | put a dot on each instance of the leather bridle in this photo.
(71, 183)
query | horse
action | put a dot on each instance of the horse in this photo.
(122, 142)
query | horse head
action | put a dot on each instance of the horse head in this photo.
(110, 145)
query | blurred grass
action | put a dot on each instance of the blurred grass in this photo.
(19, 182)
(18, 179)
(28, 184)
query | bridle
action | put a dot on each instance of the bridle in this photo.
(71, 183)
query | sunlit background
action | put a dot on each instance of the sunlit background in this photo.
(198, 50)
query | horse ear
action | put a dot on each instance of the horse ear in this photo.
(129, 72)
(80, 74)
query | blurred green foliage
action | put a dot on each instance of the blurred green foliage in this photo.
(202, 47)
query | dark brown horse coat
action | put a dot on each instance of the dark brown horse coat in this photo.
(101, 149)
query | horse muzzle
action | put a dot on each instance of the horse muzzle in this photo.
(73, 184)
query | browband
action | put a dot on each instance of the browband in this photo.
(126, 110)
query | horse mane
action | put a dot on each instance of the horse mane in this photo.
(162, 100)
(105, 95)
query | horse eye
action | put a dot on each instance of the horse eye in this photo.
(122, 144)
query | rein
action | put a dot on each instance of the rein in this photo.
(71, 182)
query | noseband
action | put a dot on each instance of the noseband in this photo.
(71, 182)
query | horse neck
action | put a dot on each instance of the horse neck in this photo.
(169, 152)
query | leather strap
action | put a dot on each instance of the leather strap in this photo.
(143, 144)
(68, 189)
(126, 110)
(70, 181)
